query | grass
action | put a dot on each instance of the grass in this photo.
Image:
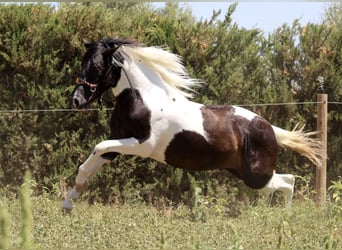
(146, 227)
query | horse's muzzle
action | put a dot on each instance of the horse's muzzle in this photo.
(78, 100)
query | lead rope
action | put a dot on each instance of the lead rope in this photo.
(128, 79)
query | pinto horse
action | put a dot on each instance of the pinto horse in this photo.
(153, 117)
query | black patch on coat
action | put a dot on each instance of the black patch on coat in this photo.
(191, 150)
(130, 117)
(248, 149)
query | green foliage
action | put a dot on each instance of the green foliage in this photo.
(336, 189)
(336, 195)
(41, 50)
(333, 52)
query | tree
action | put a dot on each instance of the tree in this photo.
(333, 86)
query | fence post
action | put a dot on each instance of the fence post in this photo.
(322, 124)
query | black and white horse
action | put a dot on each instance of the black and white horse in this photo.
(153, 117)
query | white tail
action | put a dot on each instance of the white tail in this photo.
(301, 142)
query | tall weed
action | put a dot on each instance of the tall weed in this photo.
(4, 226)
(26, 210)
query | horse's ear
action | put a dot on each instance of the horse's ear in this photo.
(111, 44)
(111, 50)
(86, 43)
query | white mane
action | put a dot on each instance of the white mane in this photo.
(168, 65)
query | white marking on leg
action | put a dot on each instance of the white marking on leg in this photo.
(283, 183)
(95, 161)
(130, 146)
(73, 194)
(89, 168)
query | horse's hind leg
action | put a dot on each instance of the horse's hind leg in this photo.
(282, 182)
(261, 149)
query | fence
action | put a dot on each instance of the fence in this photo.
(322, 114)
(109, 109)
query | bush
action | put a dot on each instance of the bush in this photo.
(41, 50)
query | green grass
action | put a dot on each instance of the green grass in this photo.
(145, 227)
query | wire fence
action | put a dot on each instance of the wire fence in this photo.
(110, 109)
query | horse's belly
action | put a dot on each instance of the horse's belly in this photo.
(190, 150)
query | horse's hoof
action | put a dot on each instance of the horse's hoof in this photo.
(67, 207)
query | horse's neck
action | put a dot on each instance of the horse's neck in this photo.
(147, 82)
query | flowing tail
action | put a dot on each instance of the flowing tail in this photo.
(301, 142)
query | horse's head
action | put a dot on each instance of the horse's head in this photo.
(99, 72)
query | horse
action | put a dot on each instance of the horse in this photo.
(154, 117)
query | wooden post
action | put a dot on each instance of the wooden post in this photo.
(322, 124)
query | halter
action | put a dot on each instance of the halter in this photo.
(93, 86)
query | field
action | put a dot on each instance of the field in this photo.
(145, 227)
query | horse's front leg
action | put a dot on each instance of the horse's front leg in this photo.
(98, 158)
(85, 172)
